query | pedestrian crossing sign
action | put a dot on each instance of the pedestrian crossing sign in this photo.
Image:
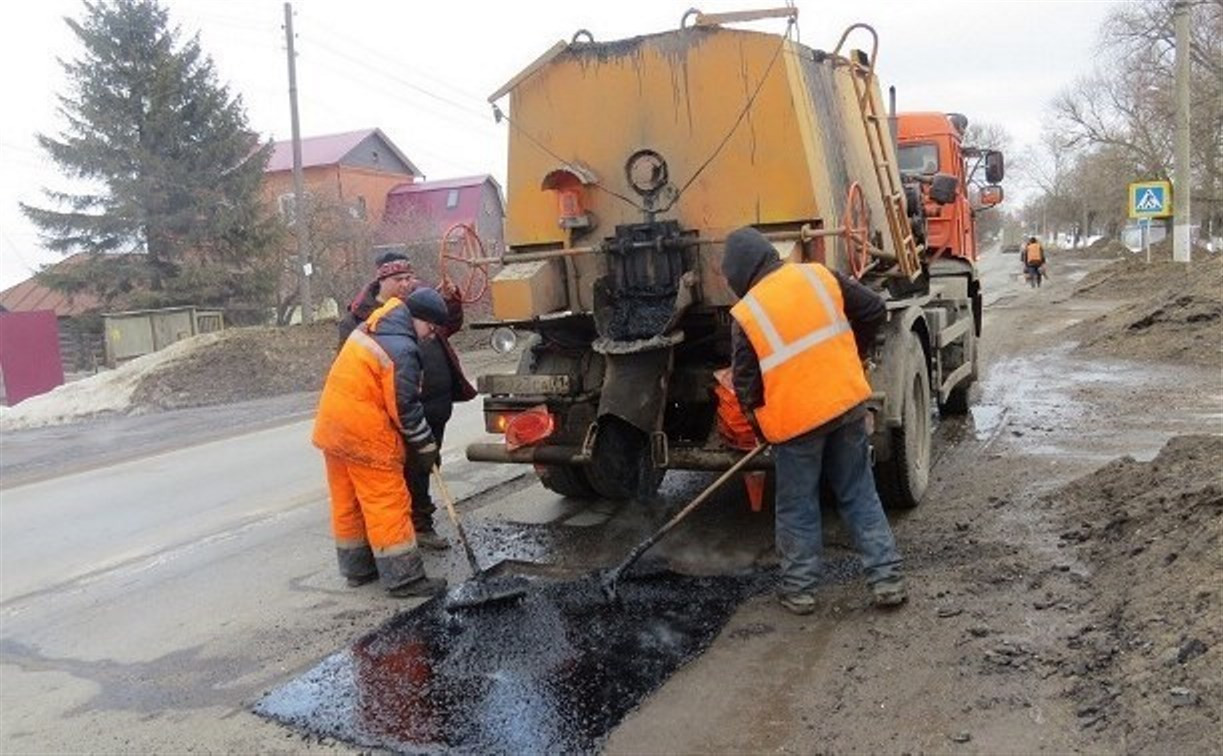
(1150, 199)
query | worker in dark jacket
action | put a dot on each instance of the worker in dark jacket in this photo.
(367, 300)
(799, 334)
(442, 385)
(444, 379)
(371, 423)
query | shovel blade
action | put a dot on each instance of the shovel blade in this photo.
(486, 591)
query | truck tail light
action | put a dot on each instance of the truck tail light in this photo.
(529, 427)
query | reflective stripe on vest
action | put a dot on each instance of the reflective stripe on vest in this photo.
(781, 352)
(371, 345)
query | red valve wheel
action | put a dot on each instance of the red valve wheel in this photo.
(462, 249)
(856, 230)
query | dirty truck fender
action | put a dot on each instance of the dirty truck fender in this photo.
(888, 376)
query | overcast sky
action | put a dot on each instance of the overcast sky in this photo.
(421, 71)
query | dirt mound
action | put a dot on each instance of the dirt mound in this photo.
(1175, 315)
(1100, 248)
(245, 363)
(1146, 661)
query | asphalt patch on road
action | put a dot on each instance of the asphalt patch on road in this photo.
(553, 673)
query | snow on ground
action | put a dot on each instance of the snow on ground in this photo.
(104, 393)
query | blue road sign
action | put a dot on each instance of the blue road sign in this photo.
(1150, 199)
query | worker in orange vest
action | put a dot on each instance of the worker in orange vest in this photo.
(370, 419)
(1033, 261)
(798, 337)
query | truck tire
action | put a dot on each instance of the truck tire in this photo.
(903, 478)
(621, 466)
(565, 480)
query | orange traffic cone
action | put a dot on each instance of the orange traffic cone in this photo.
(755, 489)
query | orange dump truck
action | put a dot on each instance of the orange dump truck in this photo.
(629, 163)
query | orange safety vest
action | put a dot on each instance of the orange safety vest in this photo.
(1033, 254)
(795, 320)
(358, 415)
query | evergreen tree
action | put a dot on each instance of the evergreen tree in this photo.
(178, 169)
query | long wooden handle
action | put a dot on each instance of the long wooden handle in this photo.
(641, 548)
(454, 518)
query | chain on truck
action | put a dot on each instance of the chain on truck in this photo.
(629, 163)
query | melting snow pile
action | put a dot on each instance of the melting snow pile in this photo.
(109, 392)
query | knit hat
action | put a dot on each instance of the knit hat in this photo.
(393, 267)
(389, 255)
(427, 305)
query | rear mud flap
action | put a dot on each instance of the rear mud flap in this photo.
(635, 387)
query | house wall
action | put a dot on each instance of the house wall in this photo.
(338, 182)
(426, 214)
(372, 153)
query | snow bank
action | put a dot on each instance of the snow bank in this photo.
(109, 392)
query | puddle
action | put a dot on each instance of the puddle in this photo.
(553, 674)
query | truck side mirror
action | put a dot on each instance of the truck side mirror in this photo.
(994, 168)
(943, 188)
(991, 195)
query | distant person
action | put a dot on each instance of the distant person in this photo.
(370, 424)
(444, 381)
(1033, 259)
(805, 394)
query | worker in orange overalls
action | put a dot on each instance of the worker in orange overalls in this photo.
(369, 419)
(798, 337)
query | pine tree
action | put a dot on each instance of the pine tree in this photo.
(178, 169)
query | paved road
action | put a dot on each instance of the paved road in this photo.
(144, 604)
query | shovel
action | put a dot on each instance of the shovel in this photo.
(612, 576)
(480, 589)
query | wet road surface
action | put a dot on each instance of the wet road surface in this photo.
(552, 674)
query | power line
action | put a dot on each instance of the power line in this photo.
(482, 116)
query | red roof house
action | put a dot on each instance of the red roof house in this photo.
(424, 210)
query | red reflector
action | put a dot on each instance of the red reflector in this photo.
(529, 427)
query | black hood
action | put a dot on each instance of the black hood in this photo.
(748, 257)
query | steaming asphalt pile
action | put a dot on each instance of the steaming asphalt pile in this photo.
(552, 674)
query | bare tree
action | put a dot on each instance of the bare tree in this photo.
(1125, 109)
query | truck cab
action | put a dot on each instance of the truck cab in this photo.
(930, 145)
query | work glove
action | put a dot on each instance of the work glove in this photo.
(425, 456)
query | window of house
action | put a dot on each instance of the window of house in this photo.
(358, 209)
(452, 199)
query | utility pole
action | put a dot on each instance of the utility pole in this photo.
(300, 221)
(1181, 228)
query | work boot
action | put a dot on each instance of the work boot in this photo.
(422, 587)
(890, 592)
(429, 539)
(356, 581)
(797, 603)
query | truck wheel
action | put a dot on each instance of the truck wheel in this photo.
(621, 466)
(902, 480)
(565, 480)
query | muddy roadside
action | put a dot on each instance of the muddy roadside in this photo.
(1064, 571)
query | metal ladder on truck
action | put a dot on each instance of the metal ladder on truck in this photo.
(863, 75)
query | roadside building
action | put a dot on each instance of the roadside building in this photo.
(347, 180)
